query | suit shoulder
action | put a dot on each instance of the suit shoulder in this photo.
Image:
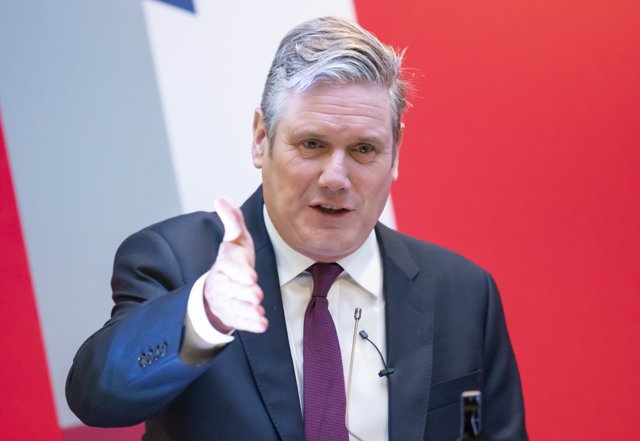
(187, 243)
(189, 221)
(428, 256)
(185, 225)
(186, 232)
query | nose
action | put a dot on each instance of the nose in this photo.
(335, 176)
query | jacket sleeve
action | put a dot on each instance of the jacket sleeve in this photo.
(502, 401)
(130, 369)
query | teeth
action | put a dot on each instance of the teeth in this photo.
(330, 208)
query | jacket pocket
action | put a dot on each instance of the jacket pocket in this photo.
(448, 392)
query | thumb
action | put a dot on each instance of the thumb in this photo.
(231, 218)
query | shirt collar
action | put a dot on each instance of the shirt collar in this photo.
(364, 265)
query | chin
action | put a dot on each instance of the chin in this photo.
(323, 253)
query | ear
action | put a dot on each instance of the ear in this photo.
(396, 159)
(260, 144)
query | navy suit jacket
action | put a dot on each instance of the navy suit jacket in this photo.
(445, 327)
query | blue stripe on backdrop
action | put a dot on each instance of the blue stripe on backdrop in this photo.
(182, 4)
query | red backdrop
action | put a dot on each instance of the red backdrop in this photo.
(27, 411)
(522, 153)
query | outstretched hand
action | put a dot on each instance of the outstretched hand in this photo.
(232, 295)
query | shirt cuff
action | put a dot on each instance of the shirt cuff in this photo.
(201, 339)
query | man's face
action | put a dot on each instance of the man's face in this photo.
(328, 171)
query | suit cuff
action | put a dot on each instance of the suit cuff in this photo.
(201, 340)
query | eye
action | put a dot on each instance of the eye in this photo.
(311, 144)
(363, 149)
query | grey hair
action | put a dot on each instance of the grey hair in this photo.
(332, 50)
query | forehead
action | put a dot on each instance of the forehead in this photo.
(349, 108)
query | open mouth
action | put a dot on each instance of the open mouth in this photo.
(330, 209)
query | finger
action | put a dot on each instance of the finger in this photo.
(236, 310)
(232, 219)
(241, 315)
(220, 289)
(257, 326)
(236, 263)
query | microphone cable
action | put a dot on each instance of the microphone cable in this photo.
(387, 370)
(356, 315)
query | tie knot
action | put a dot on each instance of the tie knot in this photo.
(324, 274)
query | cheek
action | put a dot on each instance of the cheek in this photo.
(300, 176)
(288, 187)
(374, 181)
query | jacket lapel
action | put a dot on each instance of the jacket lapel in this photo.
(268, 353)
(409, 316)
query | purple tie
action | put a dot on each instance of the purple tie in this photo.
(324, 397)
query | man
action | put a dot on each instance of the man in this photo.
(212, 335)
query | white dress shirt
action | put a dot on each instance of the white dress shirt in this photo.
(360, 285)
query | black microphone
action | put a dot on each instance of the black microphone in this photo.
(387, 370)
